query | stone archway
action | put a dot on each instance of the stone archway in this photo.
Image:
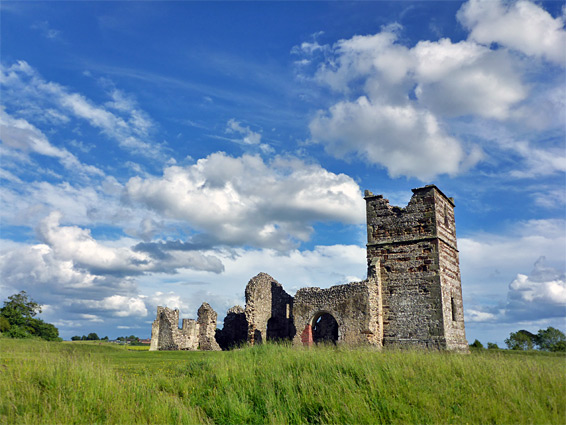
(324, 328)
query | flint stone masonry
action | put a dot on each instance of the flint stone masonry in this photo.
(420, 273)
(412, 296)
(268, 310)
(354, 308)
(193, 335)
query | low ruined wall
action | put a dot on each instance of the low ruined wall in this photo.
(354, 306)
(193, 335)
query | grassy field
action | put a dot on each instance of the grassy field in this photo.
(42, 382)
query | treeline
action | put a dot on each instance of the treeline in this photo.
(17, 319)
(90, 337)
(549, 339)
(132, 339)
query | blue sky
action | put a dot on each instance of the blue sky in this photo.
(163, 153)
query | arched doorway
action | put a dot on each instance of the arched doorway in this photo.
(325, 329)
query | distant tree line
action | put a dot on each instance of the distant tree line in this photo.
(17, 319)
(549, 339)
(132, 339)
(90, 337)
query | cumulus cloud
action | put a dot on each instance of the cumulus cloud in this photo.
(119, 305)
(37, 265)
(520, 25)
(73, 293)
(542, 292)
(458, 79)
(400, 101)
(72, 243)
(396, 122)
(537, 296)
(407, 140)
(245, 201)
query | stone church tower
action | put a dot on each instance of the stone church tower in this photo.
(415, 252)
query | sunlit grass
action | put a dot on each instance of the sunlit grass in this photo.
(88, 383)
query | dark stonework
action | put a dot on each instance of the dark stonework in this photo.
(235, 329)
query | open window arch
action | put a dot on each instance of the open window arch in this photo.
(325, 328)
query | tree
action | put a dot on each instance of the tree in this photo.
(492, 346)
(19, 311)
(476, 344)
(75, 338)
(521, 340)
(19, 308)
(92, 337)
(44, 330)
(551, 339)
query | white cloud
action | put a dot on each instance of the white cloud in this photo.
(36, 265)
(552, 198)
(249, 137)
(397, 122)
(92, 318)
(479, 316)
(458, 79)
(244, 201)
(538, 162)
(399, 103)
(28, 93)
(519, 25)
(21, 135)
(45, 29)
(541, 295)
(406, 140)
(169, 299)
(124, 306)
(527, 290)
(71, 243)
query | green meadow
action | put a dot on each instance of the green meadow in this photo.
(60, 383)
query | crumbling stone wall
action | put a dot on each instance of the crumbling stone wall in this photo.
(412, 296)
(207, 328)
(354, 306)
(420, 276)
(269, 310)
(193, 335)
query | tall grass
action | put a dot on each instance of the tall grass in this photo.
(44, 382)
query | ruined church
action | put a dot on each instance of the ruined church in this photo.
(412, 296)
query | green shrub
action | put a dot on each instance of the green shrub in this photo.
(18, 332)
(476, 344)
